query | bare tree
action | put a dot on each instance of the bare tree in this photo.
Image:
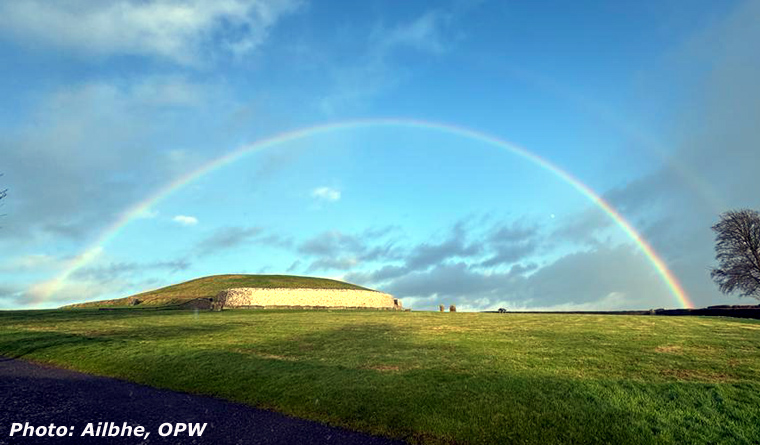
(737, 249)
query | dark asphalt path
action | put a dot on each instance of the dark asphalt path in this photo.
(42, 395)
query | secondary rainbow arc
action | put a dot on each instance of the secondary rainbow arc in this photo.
(44, 291)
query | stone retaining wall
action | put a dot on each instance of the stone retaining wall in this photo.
(345, 298)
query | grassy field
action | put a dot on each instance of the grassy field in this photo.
(210, 286)
(432, 377)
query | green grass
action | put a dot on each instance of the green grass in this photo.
(432, 377)
(212, 285)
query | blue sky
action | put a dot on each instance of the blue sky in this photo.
(652, 104)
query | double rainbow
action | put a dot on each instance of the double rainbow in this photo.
(43, 291)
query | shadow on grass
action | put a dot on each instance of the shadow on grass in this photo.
(64, 315)
(384, 379)
(442, 398)
(20, 345)
(355, 376)
(41, 332)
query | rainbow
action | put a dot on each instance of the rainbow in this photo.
(43, 291)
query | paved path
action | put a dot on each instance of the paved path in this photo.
(41, 395)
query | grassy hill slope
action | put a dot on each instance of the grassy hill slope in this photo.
(211, 285)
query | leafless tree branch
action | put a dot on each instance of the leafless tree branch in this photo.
(737, 249)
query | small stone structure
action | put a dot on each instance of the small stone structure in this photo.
(314, 298)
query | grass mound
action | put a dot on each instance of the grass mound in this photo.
(210, 286)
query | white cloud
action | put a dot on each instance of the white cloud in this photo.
(326, 194)
(165, 28)
(185, 220)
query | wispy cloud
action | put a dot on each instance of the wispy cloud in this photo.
(575, 279)
(376, 69)
(171, 91)
(426, 33)
(326, 194)
(115, 270)
(185, 220)
(226, 238)
(177, 31)
(499, 265)
(96, 136)
(36, 261)
(337, 250)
